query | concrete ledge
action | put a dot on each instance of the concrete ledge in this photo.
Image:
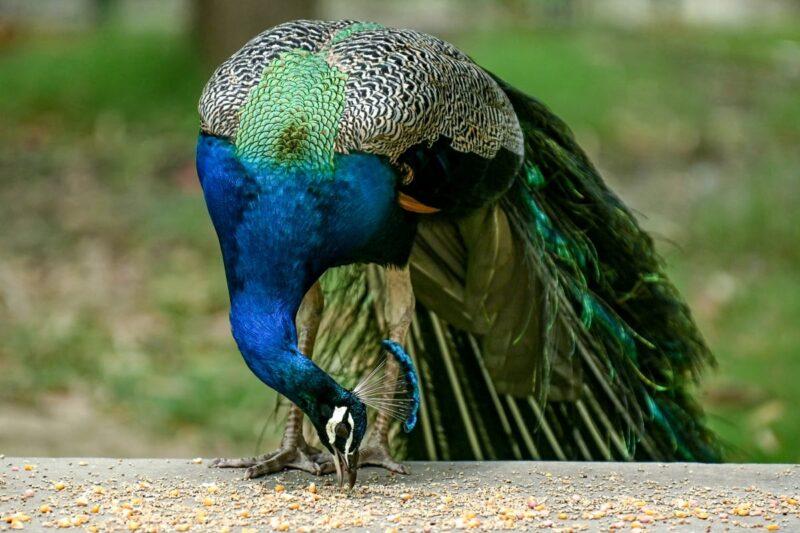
(184, 495)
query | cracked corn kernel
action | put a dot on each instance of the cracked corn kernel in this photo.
(132, 525)
(405, 496)
(97, 489)
(773, 527)
(312, 488)
(82, 502)
(174, 493)
(58, 485)
(44, 508)
(95, 509)
(63, 523)
(279, 488)
(208, 502)
(294, 506)
(562, 516)
(28, 467)
(182, 527)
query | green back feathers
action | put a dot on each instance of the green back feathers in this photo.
(292, 117)
(352, 29)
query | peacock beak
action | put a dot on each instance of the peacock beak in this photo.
(352, 469)
(345, 465)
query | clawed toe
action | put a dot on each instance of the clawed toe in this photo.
(325, 462)
(233, 463)
(303, 458)
(381, 457)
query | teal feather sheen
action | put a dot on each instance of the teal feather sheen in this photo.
(411, 379)
(613, 300)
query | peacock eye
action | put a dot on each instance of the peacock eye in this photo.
(406, 173)
(342, 430)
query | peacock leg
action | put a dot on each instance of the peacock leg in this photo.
(294, 452)
(398, 311)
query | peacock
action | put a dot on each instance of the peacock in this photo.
(388, 207)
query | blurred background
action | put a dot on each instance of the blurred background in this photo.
(114, 337)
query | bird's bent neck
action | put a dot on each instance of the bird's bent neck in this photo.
(280, 228)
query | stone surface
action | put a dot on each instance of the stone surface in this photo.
(186, 495)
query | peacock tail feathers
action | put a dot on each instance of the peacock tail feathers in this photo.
(610, 294)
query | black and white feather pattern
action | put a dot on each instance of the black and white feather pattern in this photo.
(404, 88)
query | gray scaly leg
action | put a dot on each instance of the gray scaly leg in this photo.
(397, 312)
(294, 452)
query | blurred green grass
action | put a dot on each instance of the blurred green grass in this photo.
(111, 286)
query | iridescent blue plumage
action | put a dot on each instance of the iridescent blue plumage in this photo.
(280, 228)
(410, 377)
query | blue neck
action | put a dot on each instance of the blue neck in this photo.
(279, 230)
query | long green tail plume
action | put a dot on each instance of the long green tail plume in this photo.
(608, 290)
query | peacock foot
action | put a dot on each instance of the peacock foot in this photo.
(297, 457)
(380, 456)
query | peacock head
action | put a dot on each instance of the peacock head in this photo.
(341, 427)
(342, 423)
